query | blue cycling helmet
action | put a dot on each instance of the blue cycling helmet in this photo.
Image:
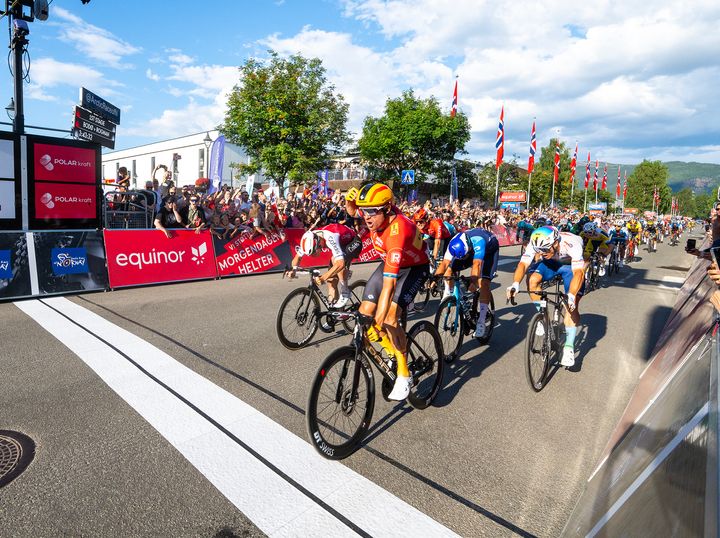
(458, 246)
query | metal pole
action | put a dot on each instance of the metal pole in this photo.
(17, 44)
(497, 186)
(552, 196)
(528, 196)
(585, 206)
(572, 191)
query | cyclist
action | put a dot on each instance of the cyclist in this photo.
(674, 231)
(524, 230)
(564, 225)
(344, 245)
(619, 236)
(634, 228)
(547, 256)
(397, 279)
(434, 228)
(595, 241)
(651, 234)
(477, 250)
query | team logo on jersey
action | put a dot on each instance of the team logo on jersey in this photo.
(394, 229)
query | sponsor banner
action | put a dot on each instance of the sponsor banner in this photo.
(513, 196)
(7, 159)
(136, 257)
(64, 163)
(14, 266)
(65, 201)
(245, 254)
(7, 199)
(505, 235)
(631, 210)
(70, 261)
(649, 214)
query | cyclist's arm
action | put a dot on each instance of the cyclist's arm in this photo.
(338, 265)
(577, 281)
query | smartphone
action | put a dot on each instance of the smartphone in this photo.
(690, 244)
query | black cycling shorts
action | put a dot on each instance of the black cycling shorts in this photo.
(352, 250)
(490, 261)
(409, 282)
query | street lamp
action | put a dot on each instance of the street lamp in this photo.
(10, 109)
(207, 141)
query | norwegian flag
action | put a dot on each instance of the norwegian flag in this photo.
(604, 183)
(617, 187)
(595, 177)
(625, 187)
(573, 164)
(587, 172)
(556, 171)
(500, 142)
(453, 111)
(533, 149)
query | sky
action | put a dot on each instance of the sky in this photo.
(628, 80)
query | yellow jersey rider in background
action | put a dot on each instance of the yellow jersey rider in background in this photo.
(397, 279)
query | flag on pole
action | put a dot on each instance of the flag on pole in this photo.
(587, 172)
(454, 195)
(625, 187)
(595, 177)
(500, 142)
(573, 164)
(533, 149)
(617, 187)
(604, 183)
(556, 171)
(453, 111)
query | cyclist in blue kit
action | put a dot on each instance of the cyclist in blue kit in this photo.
(477, 250)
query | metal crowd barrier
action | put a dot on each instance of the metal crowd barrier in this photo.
(133, 209)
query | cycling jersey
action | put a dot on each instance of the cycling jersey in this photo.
(571, 247)
(618, 236)
(450, 228)
(437, 230)
(593, 242)
(400, 245)
(484, 247)
(337, 237)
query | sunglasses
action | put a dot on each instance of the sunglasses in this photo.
(193, 199)
(370, 211)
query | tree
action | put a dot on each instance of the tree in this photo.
(686, 202)
(647, 176)
(542, 178)
(413, 134)
(286, 116)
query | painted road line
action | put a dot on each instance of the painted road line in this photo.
(672, 282)
(273, 476)
(509, 260)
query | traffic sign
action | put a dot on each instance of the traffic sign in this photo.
(94, 137)
(407, 177)
(99, 106)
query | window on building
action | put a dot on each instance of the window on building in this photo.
(152, 166)
(134, 173)
(103, 172)
(201, 162)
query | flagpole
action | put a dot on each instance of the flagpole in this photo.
(528, 197)
(552, 197)
(585, 207)
(497, 186)
(572, 191)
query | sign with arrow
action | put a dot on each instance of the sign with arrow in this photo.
(407, 177)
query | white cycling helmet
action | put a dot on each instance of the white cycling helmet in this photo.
(590, 228)
(309, 243)
(544, 237)
(619, 222)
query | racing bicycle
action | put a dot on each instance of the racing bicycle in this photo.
(592, 272)
(307, 309)
(457, 315)
(342, 395)
(614, 260)
(546, 334)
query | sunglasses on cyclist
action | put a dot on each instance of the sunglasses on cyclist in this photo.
(370, 211)
(544, 250)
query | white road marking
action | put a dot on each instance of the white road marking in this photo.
(272, 502)
(672, 282)
(509, 260)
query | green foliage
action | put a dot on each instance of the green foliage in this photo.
(641, 184)
(412, 134)
(512, 178)
(286, 116)
(542, 177)
(686, 202)
(703, 204)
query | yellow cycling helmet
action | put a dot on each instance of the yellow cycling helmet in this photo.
(374, 195)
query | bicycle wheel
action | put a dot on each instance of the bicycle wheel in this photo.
(337, 420)
(537, 352)
(356, 293)
(297, 320)
(422, 297)
(489, 319)
(449, 324)
(425, 362)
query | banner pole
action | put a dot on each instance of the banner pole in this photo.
(528, 194)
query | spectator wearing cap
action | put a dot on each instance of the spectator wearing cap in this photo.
(195, 219)
(169, 216)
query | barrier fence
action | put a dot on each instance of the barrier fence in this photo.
(53, 262)
(658, 475)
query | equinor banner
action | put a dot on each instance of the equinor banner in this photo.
(137, 257)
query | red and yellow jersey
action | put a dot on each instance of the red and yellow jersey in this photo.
(400, 245)
(436, 229)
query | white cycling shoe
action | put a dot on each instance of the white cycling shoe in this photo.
(568, 357)
(341, 302)
(401, 389)
(601, 272)
(540, 329)
(479, 331)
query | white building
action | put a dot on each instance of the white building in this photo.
(191, 165)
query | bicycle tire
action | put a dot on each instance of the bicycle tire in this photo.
(425, 352)
(324, 431)
(489, 320)
(356, 293)
(307, 319)
(450, 328)
(537, 353)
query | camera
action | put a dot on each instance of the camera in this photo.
(20, 28)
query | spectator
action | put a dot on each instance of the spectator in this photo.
(195, 215)
(169, 217)
(123, 178)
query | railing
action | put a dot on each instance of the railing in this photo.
(134, 209)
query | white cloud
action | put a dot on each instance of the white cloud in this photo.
(49, 73)
(94, 42)
(152, 76)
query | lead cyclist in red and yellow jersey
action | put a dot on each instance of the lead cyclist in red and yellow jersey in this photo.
(397, 279)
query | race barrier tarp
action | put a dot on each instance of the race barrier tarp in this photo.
(137, 257)
(246, 254)
(14, 266)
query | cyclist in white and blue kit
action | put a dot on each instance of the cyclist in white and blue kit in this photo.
(477, 250)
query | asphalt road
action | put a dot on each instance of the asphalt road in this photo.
(489, 458)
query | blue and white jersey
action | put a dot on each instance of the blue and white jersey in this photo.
(478, 241)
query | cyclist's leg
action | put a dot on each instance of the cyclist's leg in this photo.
(489, 268)
(572, 319)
